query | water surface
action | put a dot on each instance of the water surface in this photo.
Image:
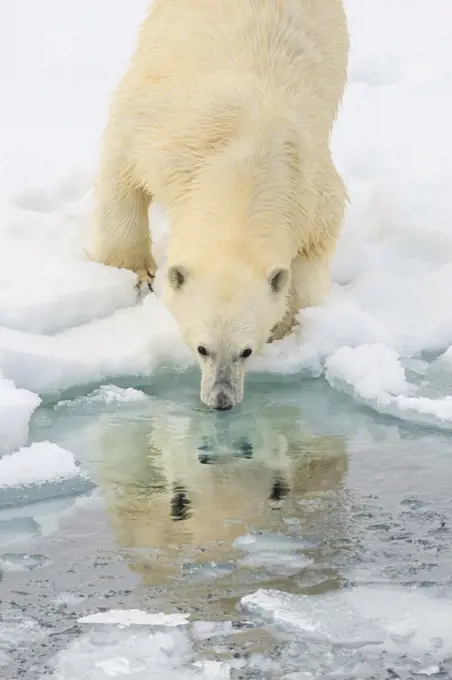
(183, 510)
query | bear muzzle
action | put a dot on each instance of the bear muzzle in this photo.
(223, 402)
(222, 387)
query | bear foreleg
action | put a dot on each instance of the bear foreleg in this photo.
(310, 284)
(121, 236)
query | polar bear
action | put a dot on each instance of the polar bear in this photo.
(224, 118)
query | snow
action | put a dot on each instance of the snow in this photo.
(16, 409)
(374, 375)
(40, 462)
(66, 322)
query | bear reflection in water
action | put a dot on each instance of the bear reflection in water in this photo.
(180, 488)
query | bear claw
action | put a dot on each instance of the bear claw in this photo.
(282, 329)
(145, 277)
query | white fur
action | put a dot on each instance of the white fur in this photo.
(224, 117)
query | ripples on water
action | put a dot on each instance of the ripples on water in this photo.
(302, 493)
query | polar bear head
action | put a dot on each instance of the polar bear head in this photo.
(231, 250)
(226, 307)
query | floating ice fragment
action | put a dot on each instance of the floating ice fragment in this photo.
(136, 617)
(279, 562)
(388, 619)
(114, 667)
(22, 562)
(40, 462)
(214, 670)
(271, 542)
(277, 552)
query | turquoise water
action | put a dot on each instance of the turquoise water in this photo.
(181, 509)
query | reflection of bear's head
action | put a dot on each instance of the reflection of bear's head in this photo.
(175, 483)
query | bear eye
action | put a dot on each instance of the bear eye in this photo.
(202, 350)
(246, 353)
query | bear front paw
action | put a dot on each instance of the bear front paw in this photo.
(145, 278)
(282, 329)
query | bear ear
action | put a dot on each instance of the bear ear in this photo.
(278, 279)
(177, 276)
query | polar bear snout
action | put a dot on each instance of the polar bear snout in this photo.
(221, 386)
(223, 401)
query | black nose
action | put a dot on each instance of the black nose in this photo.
(223, 402)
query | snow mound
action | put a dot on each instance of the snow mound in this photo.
(130, 342)
(40, 462)
(69, 293)
(374, 375)
(16, 408)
